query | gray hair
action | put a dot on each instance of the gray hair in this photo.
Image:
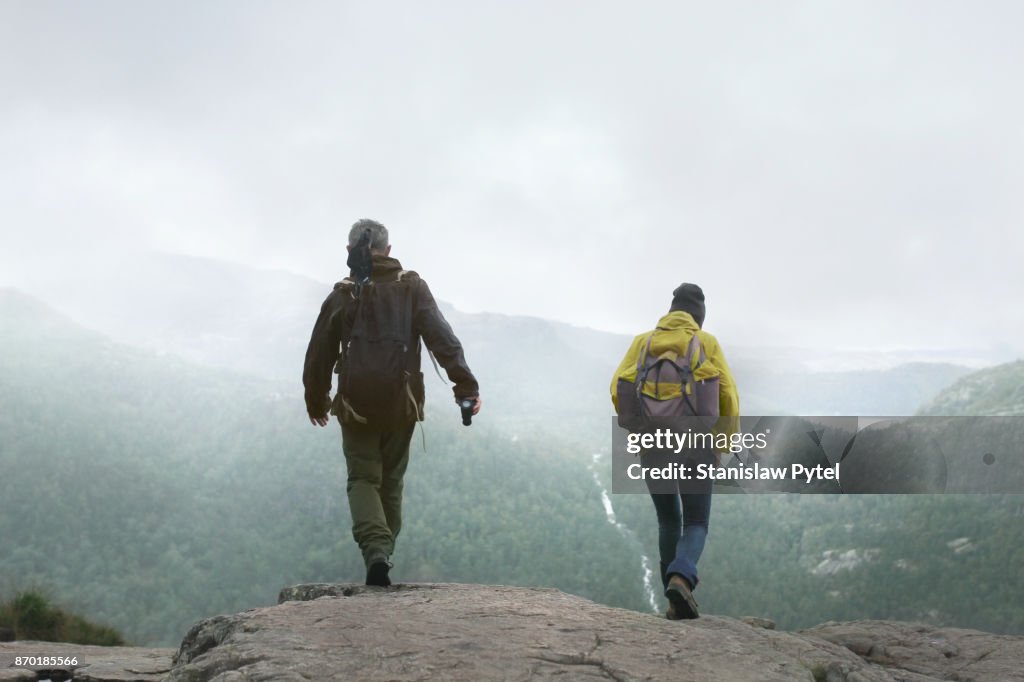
(378, 234)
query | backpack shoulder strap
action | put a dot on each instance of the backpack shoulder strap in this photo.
(642, 358)
(407, 275)
(347, 284)
(695, 347)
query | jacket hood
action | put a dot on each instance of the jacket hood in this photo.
(385, 267)
(678, 320)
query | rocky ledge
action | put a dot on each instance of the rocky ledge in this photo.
(473, 632)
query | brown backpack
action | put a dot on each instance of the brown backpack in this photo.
(377, 370)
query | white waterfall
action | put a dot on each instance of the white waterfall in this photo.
(609, 513)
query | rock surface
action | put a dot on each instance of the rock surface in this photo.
(94, 663)
(472, 632)
(933, 653)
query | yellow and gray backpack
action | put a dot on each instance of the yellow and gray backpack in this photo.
(665, 387)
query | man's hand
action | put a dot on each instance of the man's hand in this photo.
(323, 407)
(476, 404)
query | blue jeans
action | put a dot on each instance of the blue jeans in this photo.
(681, 532)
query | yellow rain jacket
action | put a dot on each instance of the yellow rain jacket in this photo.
(674, 333)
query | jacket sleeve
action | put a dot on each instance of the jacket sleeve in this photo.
(626, 369)
(440, 340)
(728, 395)
(728, 422)
(321, 354)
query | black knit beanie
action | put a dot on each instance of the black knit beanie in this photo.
(690, 299)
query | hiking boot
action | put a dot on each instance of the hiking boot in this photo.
(670, 613)
(377, 573)
(683, 605)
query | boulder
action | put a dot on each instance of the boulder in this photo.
(473, 632)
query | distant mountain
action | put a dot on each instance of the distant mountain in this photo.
(204, 310)
(993, 391)
(899, 391)
(258, 321)
(26, 318)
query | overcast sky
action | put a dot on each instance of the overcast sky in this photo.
(834, 174)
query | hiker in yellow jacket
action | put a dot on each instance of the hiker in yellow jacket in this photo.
(683, 517)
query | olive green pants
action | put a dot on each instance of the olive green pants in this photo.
(376, 462)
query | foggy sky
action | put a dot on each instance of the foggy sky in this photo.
(834, 174)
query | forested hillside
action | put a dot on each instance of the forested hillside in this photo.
(146, 492)
(149, 493)
(995, 391)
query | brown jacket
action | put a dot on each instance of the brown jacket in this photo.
(332, 329)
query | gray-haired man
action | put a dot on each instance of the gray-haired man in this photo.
(369, 331)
